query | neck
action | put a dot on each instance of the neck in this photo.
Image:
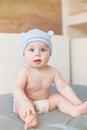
(37, 68)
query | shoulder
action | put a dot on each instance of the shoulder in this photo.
(21, 78)
(54, 71)
(22, 71)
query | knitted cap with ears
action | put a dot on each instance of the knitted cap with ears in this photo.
(37, 35)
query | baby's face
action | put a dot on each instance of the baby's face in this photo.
(37, 54)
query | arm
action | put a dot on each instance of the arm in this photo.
(19, 86)
(19, 93)
(66, 90)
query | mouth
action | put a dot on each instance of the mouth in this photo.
(37, 61)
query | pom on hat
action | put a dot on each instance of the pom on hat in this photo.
(36, 35)
(50, 33)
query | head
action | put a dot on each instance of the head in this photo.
(35, 35)
(37, 43)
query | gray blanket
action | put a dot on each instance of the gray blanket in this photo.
(54, 120)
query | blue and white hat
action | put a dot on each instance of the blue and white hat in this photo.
(37, 35)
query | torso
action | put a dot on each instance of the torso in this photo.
(39, 83)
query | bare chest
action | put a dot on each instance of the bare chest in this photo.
(37, 82)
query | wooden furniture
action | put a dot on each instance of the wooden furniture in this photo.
(74, 21)
(74, 18)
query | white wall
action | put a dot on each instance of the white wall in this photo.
(79, 61)
(11, 58)
(60, 57)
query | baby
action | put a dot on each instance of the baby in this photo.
(34, 80)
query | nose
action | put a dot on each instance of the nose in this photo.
(37, 53)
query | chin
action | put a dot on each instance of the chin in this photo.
(39, 66)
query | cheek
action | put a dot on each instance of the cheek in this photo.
(28, 57)
(46, 57)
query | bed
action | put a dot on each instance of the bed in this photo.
(54, 120)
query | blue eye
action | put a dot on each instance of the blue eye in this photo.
(31, 49)
(43, 49)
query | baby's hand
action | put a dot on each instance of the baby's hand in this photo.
(30, 121)
(29, 111)
(30, 118)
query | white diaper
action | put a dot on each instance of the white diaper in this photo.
(41, 106)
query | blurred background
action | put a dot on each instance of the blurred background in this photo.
(21, 15)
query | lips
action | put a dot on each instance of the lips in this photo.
(37, 61)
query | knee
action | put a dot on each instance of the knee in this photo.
(57, 99)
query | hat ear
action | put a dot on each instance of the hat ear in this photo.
(50, 33)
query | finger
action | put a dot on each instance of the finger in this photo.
(26, 126)
(33, 111)
(24, 114)
(28, 112)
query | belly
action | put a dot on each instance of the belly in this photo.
(38, 95)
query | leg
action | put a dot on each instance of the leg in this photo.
(29, 119)
(58, 101)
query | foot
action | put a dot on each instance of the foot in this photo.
(80, 110)
(30, 122)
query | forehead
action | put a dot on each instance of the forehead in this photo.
(35, 44)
